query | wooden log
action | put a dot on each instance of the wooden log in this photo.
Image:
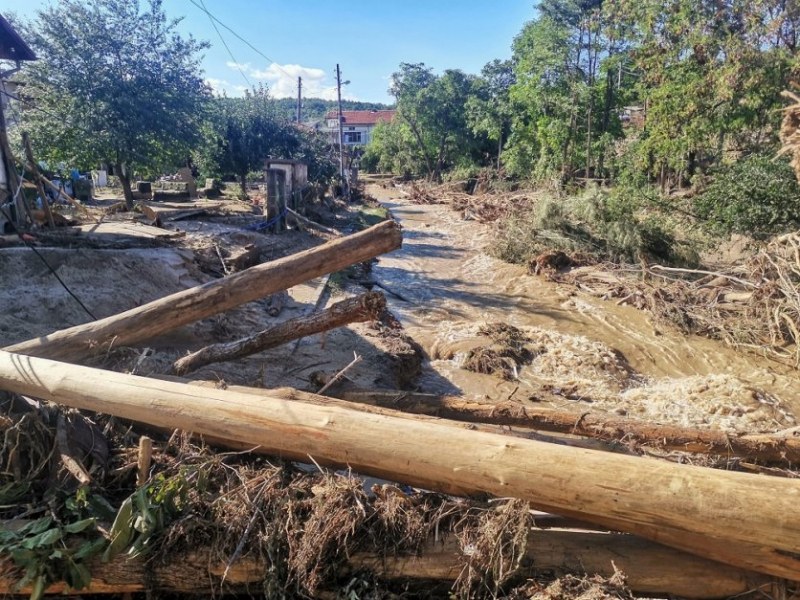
(651, 569)
(765, 448)
(365, 307)
(26, 141)
(165, 314)
(740, 519)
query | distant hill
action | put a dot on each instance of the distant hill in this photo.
(315, 109)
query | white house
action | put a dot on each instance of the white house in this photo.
(357, 125)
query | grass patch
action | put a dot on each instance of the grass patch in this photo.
(372, 215)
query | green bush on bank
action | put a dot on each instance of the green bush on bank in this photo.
(757, 196)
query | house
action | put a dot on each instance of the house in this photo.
(357, 125)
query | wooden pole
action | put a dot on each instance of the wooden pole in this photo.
(748, 521)
(651, 569)
(39, 187)
(763, 447)
(366, 307)
(166, 314)
(12, 179)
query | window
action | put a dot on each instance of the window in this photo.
(352, 137)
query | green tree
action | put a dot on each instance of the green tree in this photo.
(115, 82)
(489, 107)
(433, 107)
(242, 133)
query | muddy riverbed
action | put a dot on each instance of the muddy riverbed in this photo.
(444, 287)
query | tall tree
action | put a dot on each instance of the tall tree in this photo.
(489, 107)
(243, 132)
(115, 83)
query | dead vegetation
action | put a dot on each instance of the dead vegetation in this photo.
(753, 305)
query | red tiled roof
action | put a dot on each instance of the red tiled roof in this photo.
(364, 117)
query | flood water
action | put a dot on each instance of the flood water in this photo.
(448, 284)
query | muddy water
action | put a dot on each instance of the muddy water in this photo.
(449, 284)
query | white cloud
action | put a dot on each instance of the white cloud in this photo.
(223, 86)
(282, 81)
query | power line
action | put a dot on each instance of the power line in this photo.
(36, 252)
(224, 43)
(239, 37)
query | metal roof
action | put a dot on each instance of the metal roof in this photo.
(13, 47)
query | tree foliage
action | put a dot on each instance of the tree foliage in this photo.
(115, 83)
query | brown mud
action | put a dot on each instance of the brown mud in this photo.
(589, 351)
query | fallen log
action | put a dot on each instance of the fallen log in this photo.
(651, 569)
(305, 222)
(765, 448)
(740, 519)
(365, 307)
(165, 314)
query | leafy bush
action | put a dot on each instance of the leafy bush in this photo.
(757, 196)
(612, 226)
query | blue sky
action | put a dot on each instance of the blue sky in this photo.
(369, 39)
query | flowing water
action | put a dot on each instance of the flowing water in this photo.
(442, 285)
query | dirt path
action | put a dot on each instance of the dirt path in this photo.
(449, 286)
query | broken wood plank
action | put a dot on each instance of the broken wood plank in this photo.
(762, 447)
(740, 519)
(365, 307)
(166, 314)
(650, 569)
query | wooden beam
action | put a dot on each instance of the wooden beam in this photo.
(39, 187)
(740, 519)
(166, 314)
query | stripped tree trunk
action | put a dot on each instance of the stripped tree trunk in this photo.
(365, 307)
(743, 520)
(166, 314)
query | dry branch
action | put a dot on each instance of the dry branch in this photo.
(166, 314)
(365, 307)
(743, 520)
(763, 447)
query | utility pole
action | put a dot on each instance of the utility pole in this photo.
(299, 97)
(341, 132)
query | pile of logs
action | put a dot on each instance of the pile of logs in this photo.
(696, 532)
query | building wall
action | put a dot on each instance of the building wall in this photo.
(353, 135)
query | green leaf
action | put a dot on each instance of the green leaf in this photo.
(39, 586)
(78, 576)
(121, 530)
(47, 538)
(89, 549)
(79, 526)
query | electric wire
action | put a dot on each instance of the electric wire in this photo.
(37, 253)
(224, 43)
(240, 38)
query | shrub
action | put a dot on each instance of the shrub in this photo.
(758, 196)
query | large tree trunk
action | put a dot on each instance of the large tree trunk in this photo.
(366, 307)
(243, 185)
(125, 182)
(169, 313)
(650, 569)
(743, 520)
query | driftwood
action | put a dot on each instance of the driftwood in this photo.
(651, 569)
(768, 448)
(166, 314)
(743, 520)
(365, 307)
(39, 187)
(305, 222)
